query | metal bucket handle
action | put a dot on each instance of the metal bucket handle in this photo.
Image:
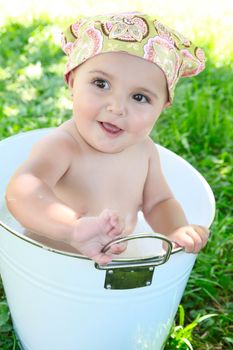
(131, 273)
(131, 262)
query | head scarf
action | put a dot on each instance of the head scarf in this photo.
(137, 34)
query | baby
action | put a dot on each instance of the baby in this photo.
(84, 183)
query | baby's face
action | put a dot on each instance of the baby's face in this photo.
(117, 98)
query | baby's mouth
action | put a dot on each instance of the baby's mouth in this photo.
(110, 129)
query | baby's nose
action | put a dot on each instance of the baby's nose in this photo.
(117, 106)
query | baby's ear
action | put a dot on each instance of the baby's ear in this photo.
(166, 105)
(71, 82)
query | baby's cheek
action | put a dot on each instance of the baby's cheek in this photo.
(84, 111)
(142, 126)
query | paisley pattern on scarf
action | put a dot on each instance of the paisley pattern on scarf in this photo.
(128, 28)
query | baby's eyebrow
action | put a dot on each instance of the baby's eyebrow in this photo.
(142, 89)
(101, 73)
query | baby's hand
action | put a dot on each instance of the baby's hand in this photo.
(192, 237)
(93, 233)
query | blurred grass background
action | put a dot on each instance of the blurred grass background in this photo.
(199, 125)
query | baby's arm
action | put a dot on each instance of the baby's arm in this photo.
(31, 199)
(163, 212)
(30, 195)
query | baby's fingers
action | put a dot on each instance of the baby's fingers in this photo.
(203, 233)
(102, 258)
(118, 248)
(106, 257)
(195, 238)
(117, 226)
(185, 241)
(198, 243)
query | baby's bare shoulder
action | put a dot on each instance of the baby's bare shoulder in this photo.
(58, 141)
(50, 157)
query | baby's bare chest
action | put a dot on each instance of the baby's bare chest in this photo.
(95, 183)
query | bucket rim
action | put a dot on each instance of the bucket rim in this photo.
(66, 253)
(23, 133)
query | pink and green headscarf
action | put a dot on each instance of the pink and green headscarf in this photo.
(137, 34)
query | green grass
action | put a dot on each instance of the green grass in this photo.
(198, 127)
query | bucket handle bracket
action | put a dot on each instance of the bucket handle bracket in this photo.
(129, 273)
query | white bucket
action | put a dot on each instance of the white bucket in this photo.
(64, 301)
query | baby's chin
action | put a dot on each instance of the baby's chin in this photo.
(113, 147)
(109, 149)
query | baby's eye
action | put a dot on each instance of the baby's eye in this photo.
(141, 98)
(101, 83)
